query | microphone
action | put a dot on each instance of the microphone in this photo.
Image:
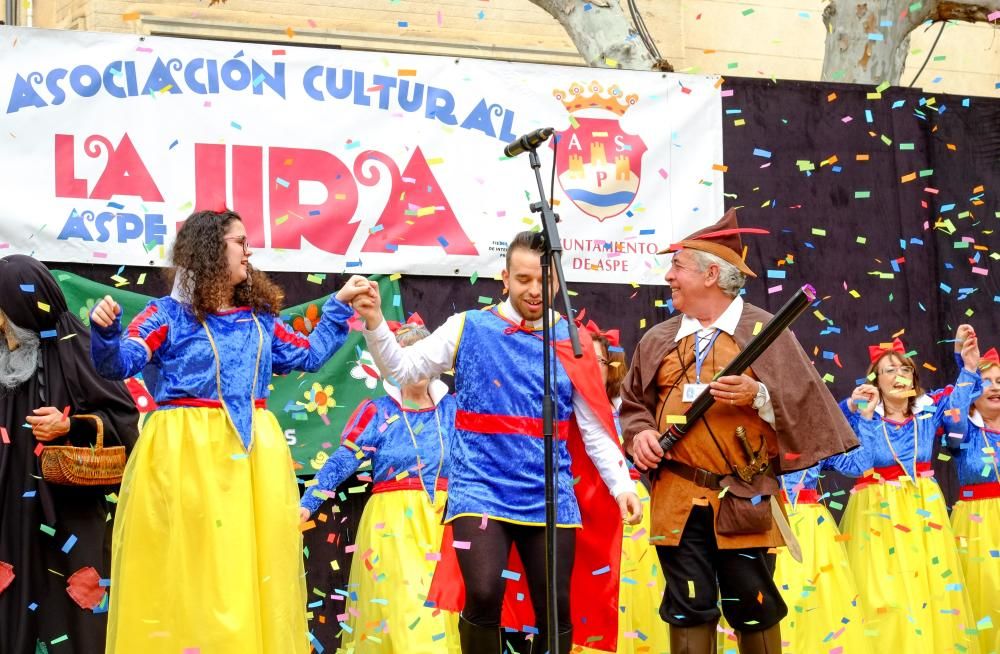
(529, 141)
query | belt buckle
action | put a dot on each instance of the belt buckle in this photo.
(701, 477)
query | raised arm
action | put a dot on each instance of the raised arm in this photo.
(425, 359)
(120, 356)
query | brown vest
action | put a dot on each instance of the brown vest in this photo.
(672, 497)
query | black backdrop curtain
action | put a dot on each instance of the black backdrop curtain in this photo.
(892, 197)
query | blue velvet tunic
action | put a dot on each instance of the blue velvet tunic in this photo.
(502, 475)
(183, 364)
(975, 464)
(919, 431)
(377, 432)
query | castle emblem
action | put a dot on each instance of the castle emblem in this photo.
(598, 164)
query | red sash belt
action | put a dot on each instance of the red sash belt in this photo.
(407, 483)
(984, 491)
(485, 423)
(260, 403)
(805, 496)
(892, 473)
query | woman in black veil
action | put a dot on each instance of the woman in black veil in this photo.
(54, 540)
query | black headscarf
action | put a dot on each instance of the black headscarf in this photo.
(68, 376)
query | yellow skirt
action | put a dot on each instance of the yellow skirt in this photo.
(820, 592)
(977, 528)
(207, 552)
(399, 538)
(640, 629)
(910, 581)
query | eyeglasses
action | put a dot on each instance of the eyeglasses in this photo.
(242, 240)
(902, 370)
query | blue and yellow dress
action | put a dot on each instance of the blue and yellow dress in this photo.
(821, 593)
(207, 552)
(399, 537)
(976, 521)
(899, 538)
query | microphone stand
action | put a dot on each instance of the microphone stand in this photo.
(551, 259)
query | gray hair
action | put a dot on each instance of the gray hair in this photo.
(410, 334)
(17, 366)
(731, 279)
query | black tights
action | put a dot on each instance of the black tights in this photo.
(486, 558)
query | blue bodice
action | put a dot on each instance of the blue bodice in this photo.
(913, 440)
(399, 444)
(234, 352)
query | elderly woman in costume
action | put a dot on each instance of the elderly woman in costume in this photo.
(403, 441)
(54, 539)
(899, 538)
(976, 516)
(207, 553)
(640, 630)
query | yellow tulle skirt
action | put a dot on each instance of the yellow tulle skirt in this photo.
(640, 629)
(399, 538)
(820, 592)
(207, 552)
(910, 581)
(977, 528)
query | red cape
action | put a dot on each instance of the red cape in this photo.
(596, 567)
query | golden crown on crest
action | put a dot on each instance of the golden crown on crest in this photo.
(614, 101)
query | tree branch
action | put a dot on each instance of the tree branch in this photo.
(970, 12)
(602, 34)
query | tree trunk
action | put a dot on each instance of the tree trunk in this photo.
(867, 41)
(602, 34)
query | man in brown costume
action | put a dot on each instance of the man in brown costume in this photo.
(713, 543)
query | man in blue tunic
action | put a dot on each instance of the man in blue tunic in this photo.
(496, 496)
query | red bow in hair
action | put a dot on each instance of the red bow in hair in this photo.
(991, 358)
(612, 334)
(413, 320)
(875, 352)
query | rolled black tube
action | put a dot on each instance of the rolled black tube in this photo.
(786, 315)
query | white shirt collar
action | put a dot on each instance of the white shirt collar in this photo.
(922, 403)
(726, 322)
(437, 389)
(507, 310)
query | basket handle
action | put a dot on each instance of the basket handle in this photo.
(100, 428)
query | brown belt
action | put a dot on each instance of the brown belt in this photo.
(697, 476)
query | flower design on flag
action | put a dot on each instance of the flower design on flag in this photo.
(365, 370)
(320, 399)
(84, 311)
(305, 323)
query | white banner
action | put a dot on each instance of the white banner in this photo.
(344, 161)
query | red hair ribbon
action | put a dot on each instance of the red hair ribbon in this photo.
(413, 320)
(876, 352)
(991, 358)
(612, 334)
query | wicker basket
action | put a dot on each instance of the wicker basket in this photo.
(84, 466)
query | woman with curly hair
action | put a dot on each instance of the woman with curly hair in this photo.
(207, 554)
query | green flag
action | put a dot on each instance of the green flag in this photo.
(312, 408)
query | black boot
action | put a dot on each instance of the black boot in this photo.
(767, 641)
(540, 645)
(700, 639)
(478, 640)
